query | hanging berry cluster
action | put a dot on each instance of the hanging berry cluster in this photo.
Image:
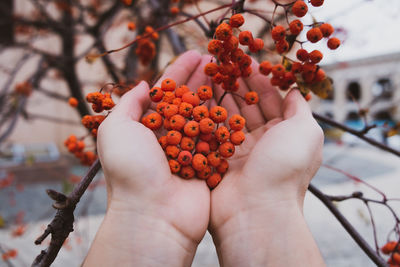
(76, 147)
(146, 49)
(232, 61)
(392, 248)
(195, 143)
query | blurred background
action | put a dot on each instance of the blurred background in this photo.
(43, 45)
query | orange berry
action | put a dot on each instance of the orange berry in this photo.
(191, 129)
(80, 145)
(223, 166)
(191, 98)
(12, 253)
(177, 101)
(172, 151)
(236, 21)
(256, 45)
(206, 126)
(174, 137)
(319, 75)
(187, 143)
(205, 92)
(170, 110)
(177, 122)
(213, 143)
(213, 180)
(282, 46)
(389, 247)
(108, 103)
(265, 67)
(231, 44)
(185, 158)
(278, 33)
(161, 107)
(299, 8)
(204, 173)
(302, 55)
(210, 69)
(187, 172)
(245, 38)
(297, 67)
(206, 137)
(174, 11)
(278, 70)
(333, 43)
(223, 32)
(217, 78)
(396, 257)
(289, 78)
(174, 166)
(214, 159)
(251, 98)
(94, 132)
(246, 72)
(73, 102)
(295, 27)
(326, 29)
(97, 107)
(317, 2)
(218, 114)
(316, 56)
(215, 47)
(131, 26)
(185, 109)
(199, 162)
(181, 90)
(163, 142)
(156, 94)
(203, 148)
(237, 122)
(314, 35)
(226, 149)
(94, 97)
(153, 121)
(200, 112)
(237, 55)
(309, 68)
(168, 85)
(222, 134)
(169, 97)
(237, 138)
(308, 97)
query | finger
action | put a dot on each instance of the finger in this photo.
(252, 113)
(133, 103)
(198, 77)
(294, 104)
(270, 100)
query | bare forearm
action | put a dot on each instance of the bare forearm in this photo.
(267, 237)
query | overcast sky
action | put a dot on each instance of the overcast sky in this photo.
(372, 27)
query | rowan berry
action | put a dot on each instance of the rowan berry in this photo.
(80, 145)
(73, 102)
(24, 88)
(282, 46)
(236, 21)
(236, 55)
(170, 110)
(245, 38)
(174, 11)
(214, 159)
(163, 142)
(205, 137)
(246, 72)
(278, 33)
(205, 92)
(222, 134)
(174, 166)
(299, 8)
(177, 122)
(181, 90)
(218, 114)
(317, 2)
(108, 103)
(206, 126)
(215, 47)
(278, 70)
(185, 158)
(153, 121)
(396, 258)
(161, 107)
(237, 122)
(200, 112)
(308, 96)
(245, 62)
(199, 162)
(154, 35)
(174, 137)
(156, 94)
(187, 143)
(326, 29)
(316, 56)
(172, 151)
(389, 247)
(168, 97)
(187, 172)
(177, 101)
(94, 132)
(88, 158)
(217, 78)
(131, 26)
(168, 85)
(223, 32)
(308, 77)
(265, 67)
(204, 173)
(223, 166)
(319, 75)
(256, 45)
(251, 98)
(191, 98)
(213, 180)
(297, 67)
(314, 35)
(295, 27)
(210, 69)
(333, 43)
(237, 138)
(191, 129)
(185, 109)
(302, 55)
(214, 144)
(289, 78)
(231, 44)
(97, 107)
(203, 148)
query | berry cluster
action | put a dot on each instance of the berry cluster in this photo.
(9, 254)
(392, 248)
(24, 88)
(195, 144)
(232, 61)
(76, 147)
(146, 49)
(100, 102)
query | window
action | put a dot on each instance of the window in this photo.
(353, 91)
(383, 89)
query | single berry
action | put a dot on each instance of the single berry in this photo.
(237, 122)
(316, 56)
(218, 114)
(185, 158)
(236, 21)
(187, 143)
(302, 55)
(295, 27)
(213, 180)
(333, 43)
(222, 134)
(205, 92)
(314, 35)
(199, 162)
(191, 129)
(278, 33)
(299, 8)
(156, 94)
(168, 85)
(326, 29)
(251, 98)
(226, 149)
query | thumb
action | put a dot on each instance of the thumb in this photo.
(133, 104)
(295, 104)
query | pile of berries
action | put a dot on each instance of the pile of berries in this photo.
(76, 147)
(392, 248)
(232, 61)
(195, 142)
